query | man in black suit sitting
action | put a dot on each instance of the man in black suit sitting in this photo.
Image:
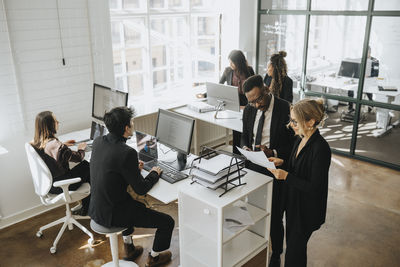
(265, 120)
(114, 165)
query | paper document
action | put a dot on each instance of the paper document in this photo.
(215, 164)
(212, 178)
(220, 181)
(237, 216)
(257, 157)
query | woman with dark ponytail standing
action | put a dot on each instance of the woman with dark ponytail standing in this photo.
(276, 78)
(235, 75)
(306, 179)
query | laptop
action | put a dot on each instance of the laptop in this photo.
(147, 147)
(96, 130)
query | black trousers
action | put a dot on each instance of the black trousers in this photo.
(350, 93)
(277, 210)
(236, 136)
(296, 246)
(81, 170)
(143, 217)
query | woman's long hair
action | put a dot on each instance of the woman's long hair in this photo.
(45, 129)
(279, 72)
(238, 58)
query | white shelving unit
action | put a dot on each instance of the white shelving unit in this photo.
(203, 239)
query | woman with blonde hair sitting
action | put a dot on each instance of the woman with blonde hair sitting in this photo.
(306, 179)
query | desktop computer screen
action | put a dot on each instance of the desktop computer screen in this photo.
(175, 131)
(219, 92)
(105, 99)
(97, 130)
(350, 69)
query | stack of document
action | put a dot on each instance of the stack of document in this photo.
(201, 107)
(211, 172)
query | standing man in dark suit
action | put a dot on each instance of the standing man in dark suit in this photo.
(114, 165)
(265, 120)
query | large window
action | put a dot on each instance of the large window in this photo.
(163, 44)
(350, 58)
(282, 32)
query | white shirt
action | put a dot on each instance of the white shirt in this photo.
(267, 125)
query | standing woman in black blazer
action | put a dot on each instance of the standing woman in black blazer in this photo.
(306, 179)
(235, 75)
(276, 78)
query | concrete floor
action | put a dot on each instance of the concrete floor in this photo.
(362, 227)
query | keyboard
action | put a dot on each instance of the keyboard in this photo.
(169, 174)
(387, 88)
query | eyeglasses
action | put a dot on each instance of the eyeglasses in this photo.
(257, 100)
(292, 121)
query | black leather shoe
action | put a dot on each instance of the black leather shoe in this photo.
(81, 212)
(275, 262)
(132, 252)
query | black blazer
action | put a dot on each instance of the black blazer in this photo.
(114, 166)
(281, 137)
(227, 77)
(307, 183)
(287, 87)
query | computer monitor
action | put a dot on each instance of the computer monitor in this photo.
(229, 95)
(349, 68)
(175, 130)
(105, 99)
(97, 130)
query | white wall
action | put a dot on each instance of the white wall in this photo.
(33, 79)
(248, 30)
(239, 26)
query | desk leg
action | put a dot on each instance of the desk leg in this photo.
(196, 138)
(383, 117)
(227, 136)
(383, 122)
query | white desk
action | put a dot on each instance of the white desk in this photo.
(229, 124)
(162, 190)
(370, 86)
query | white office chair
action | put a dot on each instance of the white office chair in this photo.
(42, 181)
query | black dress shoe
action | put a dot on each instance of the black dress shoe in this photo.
(81, 212)
(275, 262)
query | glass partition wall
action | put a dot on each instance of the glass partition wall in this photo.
(347, 52)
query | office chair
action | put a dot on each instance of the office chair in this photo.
(42, 181)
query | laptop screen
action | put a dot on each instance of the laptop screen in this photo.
(147, 146)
